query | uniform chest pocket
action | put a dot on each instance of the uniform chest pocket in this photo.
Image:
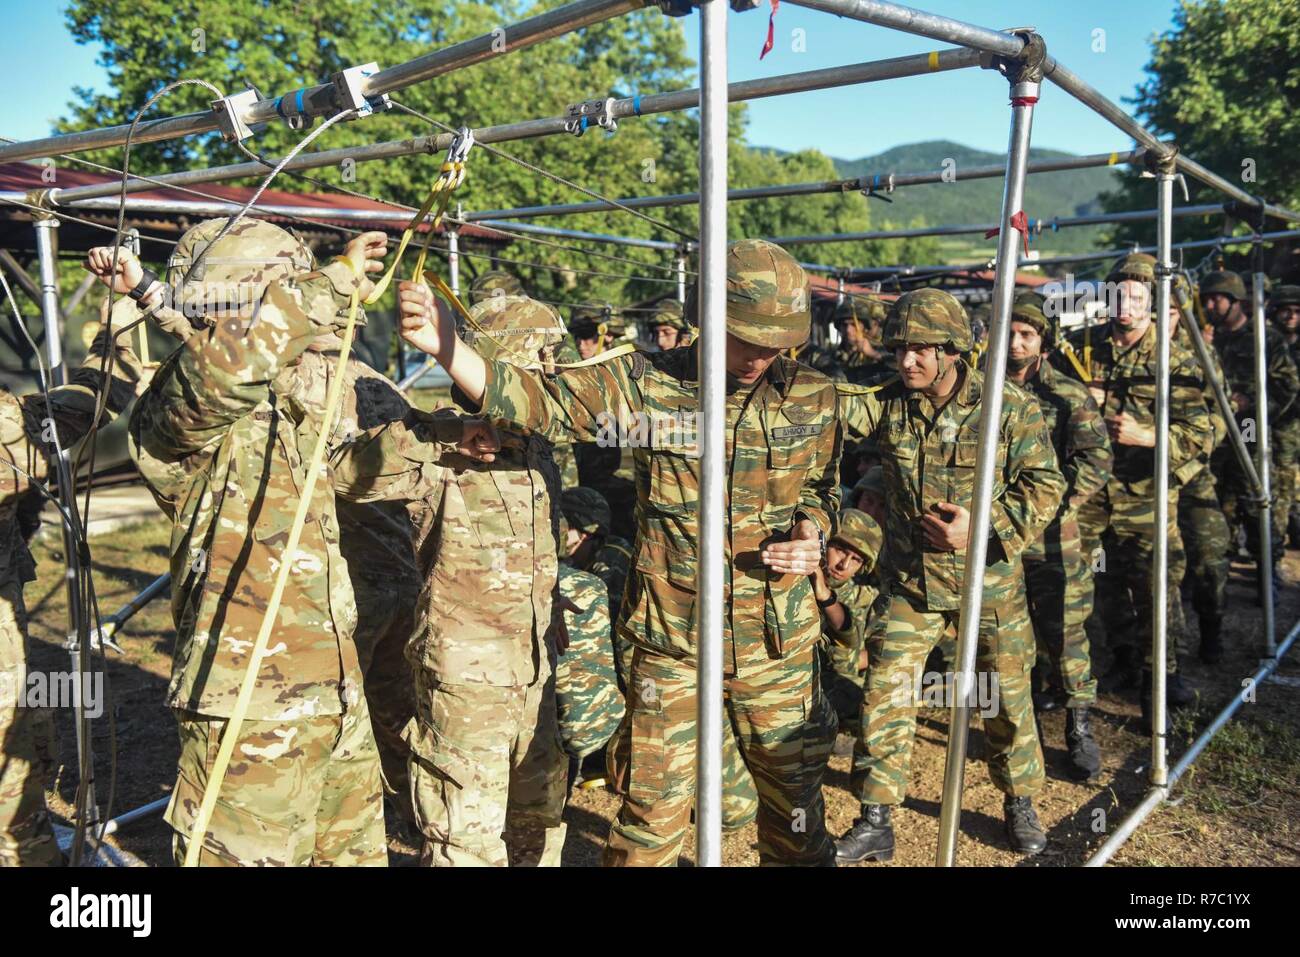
(790, 458)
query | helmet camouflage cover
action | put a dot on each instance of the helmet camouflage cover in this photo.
(859, 531)
(928, 317)
(866, 309)
(1226, 282)
(768, 301)
(1139, 266)
(236, 270)
(1032, 315)
(495, 283)
(586, 510)
(513, 329)
(669, 313)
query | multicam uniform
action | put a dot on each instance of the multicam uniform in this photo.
(783, 454)
(222, 438)
(27, 734)
(487, 764)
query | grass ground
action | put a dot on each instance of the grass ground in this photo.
(1238, 806)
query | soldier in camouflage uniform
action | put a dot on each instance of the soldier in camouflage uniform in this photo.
(1201, 523)
(1284, 311)
(591, 547)
(783, 451)
(669, 327)
(497, 282)
(1223, 295)
(27, 734)
(1058, 575)
(1123, 370)
(222, 437)
(856, 357)
(588, 700)
(846, 587)
(488, 769)
(926, 426)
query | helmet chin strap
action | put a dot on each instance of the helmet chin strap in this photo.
(944, 364)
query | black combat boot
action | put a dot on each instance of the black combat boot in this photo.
(1085, 756)
(871, 838)
(1023, 830)
(1211, 651)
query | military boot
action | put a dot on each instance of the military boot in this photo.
(1023, 830)
(1085, 756)
(1211, 651)
(871, 838)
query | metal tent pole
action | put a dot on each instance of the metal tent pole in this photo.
(710, 581)
(78, 643)
(617, 109)
(325, 98)
(1160, 557)
(1264, 468)
(1025, 77)
(679, 268)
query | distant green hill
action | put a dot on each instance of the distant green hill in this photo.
(1068, 193)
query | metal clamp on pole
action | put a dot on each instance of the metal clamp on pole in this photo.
(230, 112)
(1025, 76)
(292, 108)
(591, 112)
(348, 90)
(872, 189)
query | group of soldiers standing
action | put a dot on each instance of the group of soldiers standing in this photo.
(479, 604)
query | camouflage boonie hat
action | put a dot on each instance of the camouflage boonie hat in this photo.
(928, 317)
(495, 283)
(1138, 266)
(669, 313)
(859, 531)
(1285, 296)
(768, 301)
(1032, 315)
(1226, 282)
(586, 510)
(513, 329)
(873, 480)
(235, 271)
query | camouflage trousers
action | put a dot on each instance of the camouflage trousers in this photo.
(1206, 541)
(27, 748)
(488, 774)
(298, 792)
(784, 728)
(1058, 585)
(1287, 457)
(842, 684)
(739, 796)
(1240, 510)
(1123, 571)
(385, 621)
(898, 647)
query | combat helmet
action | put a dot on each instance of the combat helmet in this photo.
(1226, 282)
(859, 531)
(768, 302)
(1285, 296)
(1138, 266)
(669, 313)
(586, 510)
(928, 317)
(513, 329)
(495, 283)
(234, 271)
(1032, 315)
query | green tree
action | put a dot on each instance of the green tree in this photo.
(1224, 84)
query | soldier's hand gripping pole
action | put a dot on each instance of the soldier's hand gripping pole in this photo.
(1025, 74)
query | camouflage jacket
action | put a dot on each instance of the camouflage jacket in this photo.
(930, 458)
(1127, 380)
(610, 564)
(1236, 350)
(222, 437)
(587, 697)
(1078, 434)
(485, 546)
(25, 438)
(783, 453)
(857, 595)
(1219, 426)
(845, 364)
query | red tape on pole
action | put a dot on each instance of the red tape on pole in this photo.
(771, 29)
(1020, 223)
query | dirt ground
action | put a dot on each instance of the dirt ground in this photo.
(1239, 805)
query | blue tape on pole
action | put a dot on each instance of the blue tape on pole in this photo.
(636, 103)
(297, 102)
(582, 124)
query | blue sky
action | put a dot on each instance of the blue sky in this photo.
(965, 106)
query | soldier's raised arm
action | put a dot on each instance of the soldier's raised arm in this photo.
(405, 459)
(1191, 431)
(1088, 456)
